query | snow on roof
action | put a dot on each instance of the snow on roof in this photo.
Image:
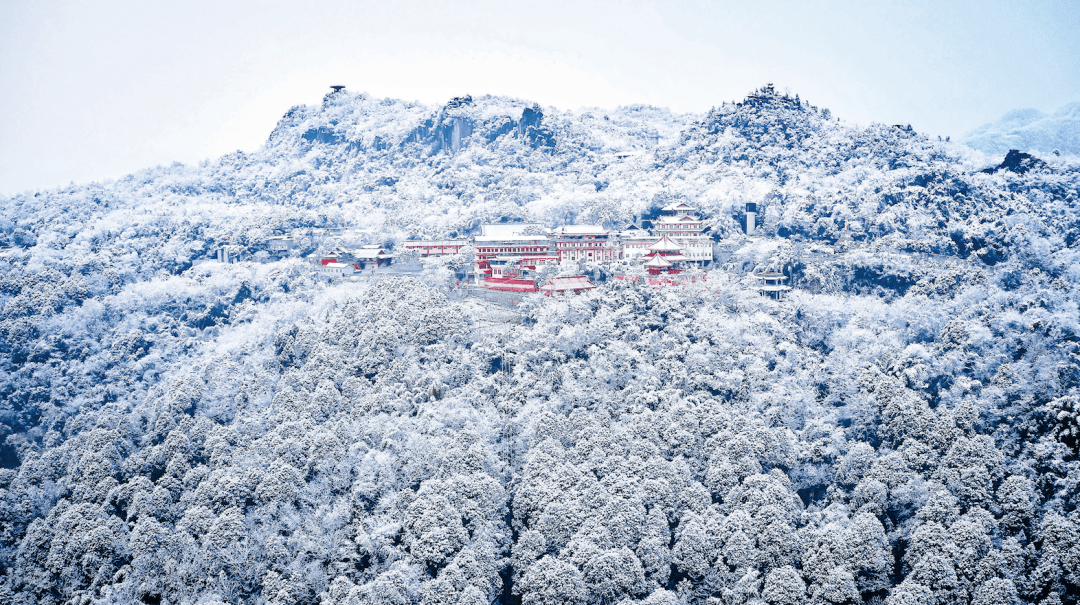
(665, 245)
(677, 206)
(560, 284)
(512, 239)
(510, 284)
(581, 230)
(509, 230)
(677, 219)
(657, 261)
(513, 287)
(435, 242)
(335, 266)
(369, 253)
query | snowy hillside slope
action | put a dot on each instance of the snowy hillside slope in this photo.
(1030, 130)
(904, 428)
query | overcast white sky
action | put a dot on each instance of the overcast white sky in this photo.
(95, 90)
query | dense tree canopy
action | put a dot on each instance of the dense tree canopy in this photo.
(902, 429)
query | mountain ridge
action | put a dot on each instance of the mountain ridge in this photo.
(1030, 130)
(902, 428)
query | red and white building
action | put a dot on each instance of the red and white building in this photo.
(334, 256)
(590, 243)
(657, 265)
(665, 256)
(681, 223)
(517, 239)
(667, 248)
(370, 257)
(504, 252)
(510, 284)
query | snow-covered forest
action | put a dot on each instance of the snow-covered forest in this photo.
(903, 428)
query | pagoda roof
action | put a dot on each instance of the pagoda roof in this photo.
(684, 218)
(664, 244)
(657, 261)
(677, 206)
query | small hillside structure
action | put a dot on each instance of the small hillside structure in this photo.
(281, 244)
(370, 257)
(335, 270)
(772, 284)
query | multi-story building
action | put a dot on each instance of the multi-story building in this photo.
(634, 242)
(682, 224)
(590, 243)
(508, 244)
(665, 256)
(516, 239)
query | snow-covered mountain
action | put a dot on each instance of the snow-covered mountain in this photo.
(902, 429)
(1030, 130)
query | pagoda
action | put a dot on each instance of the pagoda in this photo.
(681, 222)
(663, 256)
(772, 284)
(667, 248)
(657, 264)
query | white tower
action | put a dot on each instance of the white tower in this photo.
(751, 217)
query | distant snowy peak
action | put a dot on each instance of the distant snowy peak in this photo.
(360, 122)
(1030, 130)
